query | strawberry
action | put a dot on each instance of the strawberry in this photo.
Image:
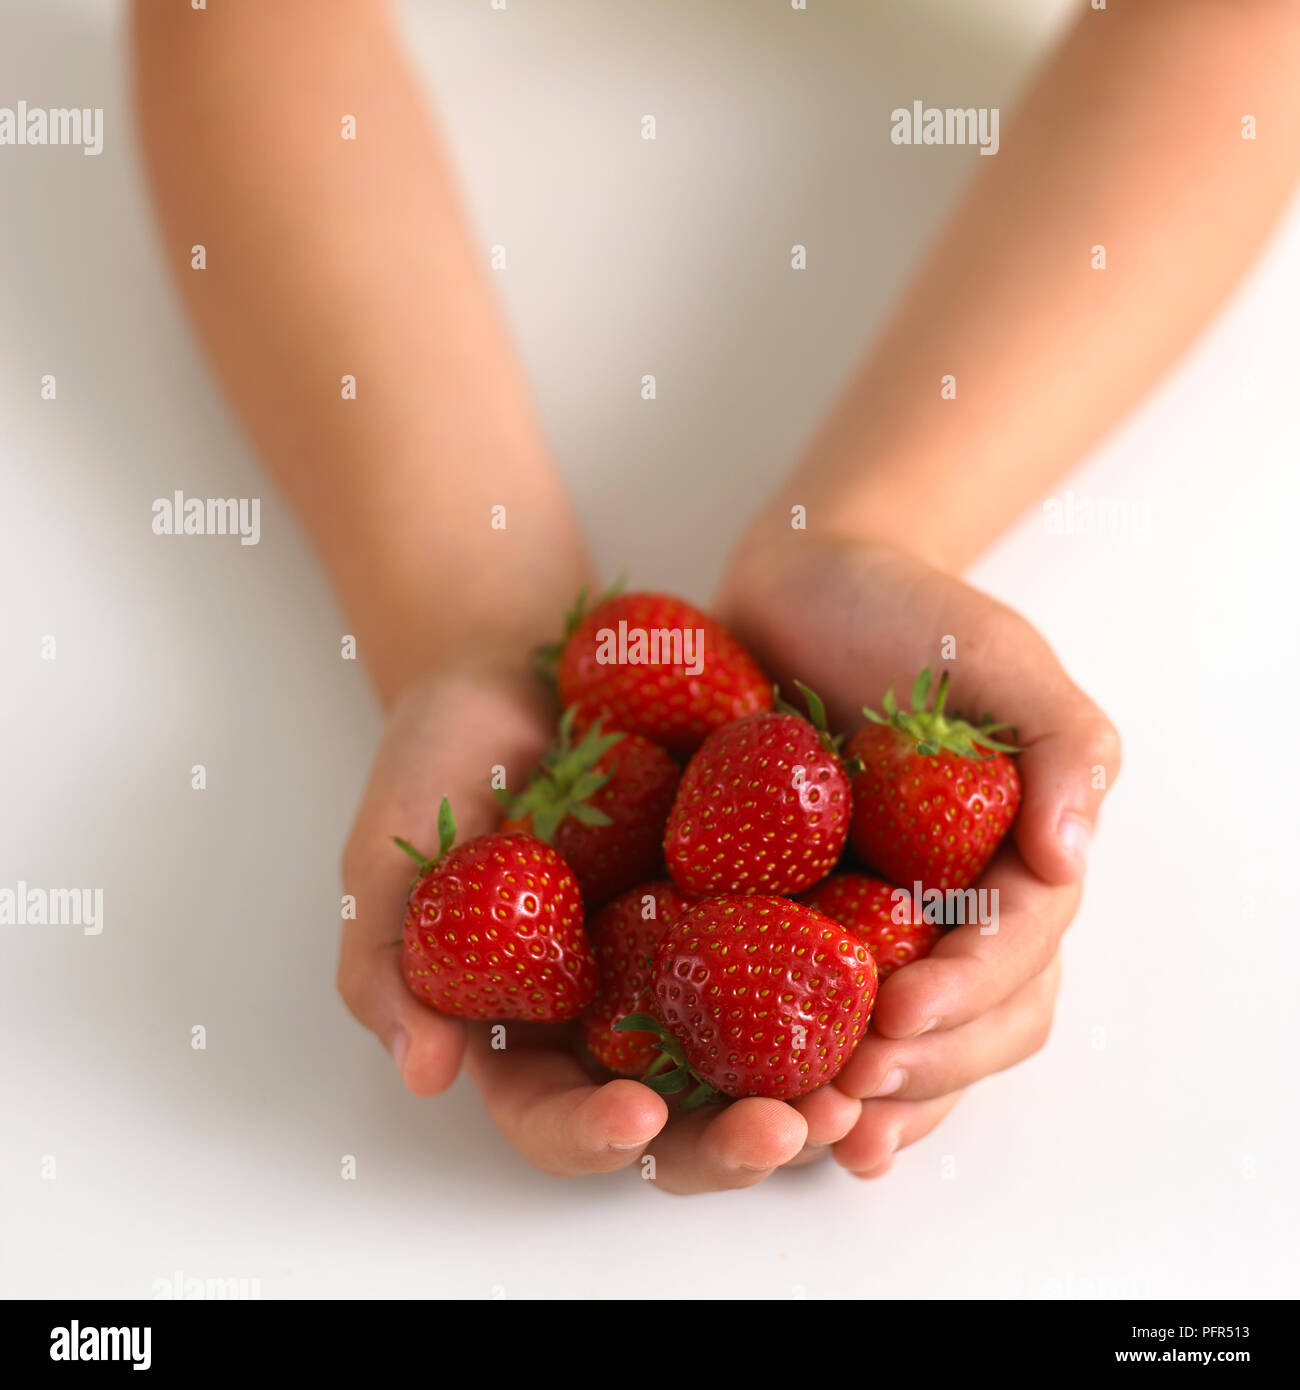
(494, 930)
(866, 908)
(935, 795)
(756, 996)
(654, 665)
(624, 938)
(603, 805)
(763, 807)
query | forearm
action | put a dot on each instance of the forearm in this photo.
(1131, 139)
(328, 257)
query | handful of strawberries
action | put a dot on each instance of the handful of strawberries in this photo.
(675, 874)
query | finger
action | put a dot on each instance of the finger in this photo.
(1070, 752)
(891, 615)
(976, 966)
(1065, 775)
(426, 1046)
(711, 1151)
(929, 1066)
(885, 1127)
(830, 1114)
(542, 1100)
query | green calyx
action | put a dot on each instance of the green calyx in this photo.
(446, 838)
(933, 730)
(816, 716)
(547, 656)
(565, 782)
(657, 1076)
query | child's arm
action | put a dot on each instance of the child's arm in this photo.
(328, 257)
(1131, 139)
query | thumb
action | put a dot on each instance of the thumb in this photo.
(426, 1046)
(1065, 774)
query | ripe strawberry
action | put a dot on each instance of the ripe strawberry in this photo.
(865, 907)
(494, 930)
(656, 666)
(624, 939)
(603, 805)
(763, 807)
(935, 796)
(757, 997)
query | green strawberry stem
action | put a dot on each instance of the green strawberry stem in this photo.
(668, 1083)
(446, 838)
(816, 715)
(547, 656)
(701, 1095)
(933, 730)
(565, 781)
(663, 1060)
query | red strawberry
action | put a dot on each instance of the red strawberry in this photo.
(624, 939)
(494, 930)
(763, 807)
(866, 908)
(935, 796)
(603, 805)
(757, 997)
(656, 666)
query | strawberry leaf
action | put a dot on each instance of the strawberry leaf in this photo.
(670, 1083)
(446, 828)
(638, 1023)
(935, 731)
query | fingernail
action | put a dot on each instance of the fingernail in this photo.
(627, 1148)
(400, 1046)
(928, 1026)
(893, 1081)
(1075, 835)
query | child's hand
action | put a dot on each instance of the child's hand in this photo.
(850, 618)
(443, 738)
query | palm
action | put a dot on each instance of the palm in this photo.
(851, 619)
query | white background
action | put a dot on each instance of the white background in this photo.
(1149, 1150)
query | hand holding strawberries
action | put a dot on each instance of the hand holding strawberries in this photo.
(716, 983)
(848, 616)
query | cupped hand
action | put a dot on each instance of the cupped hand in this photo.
(561, 1112)
(851, 618)
(443, 738)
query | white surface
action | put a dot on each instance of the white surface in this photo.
(1159, 1163)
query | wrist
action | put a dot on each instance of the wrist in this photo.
(492, 635)
(780, 533)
